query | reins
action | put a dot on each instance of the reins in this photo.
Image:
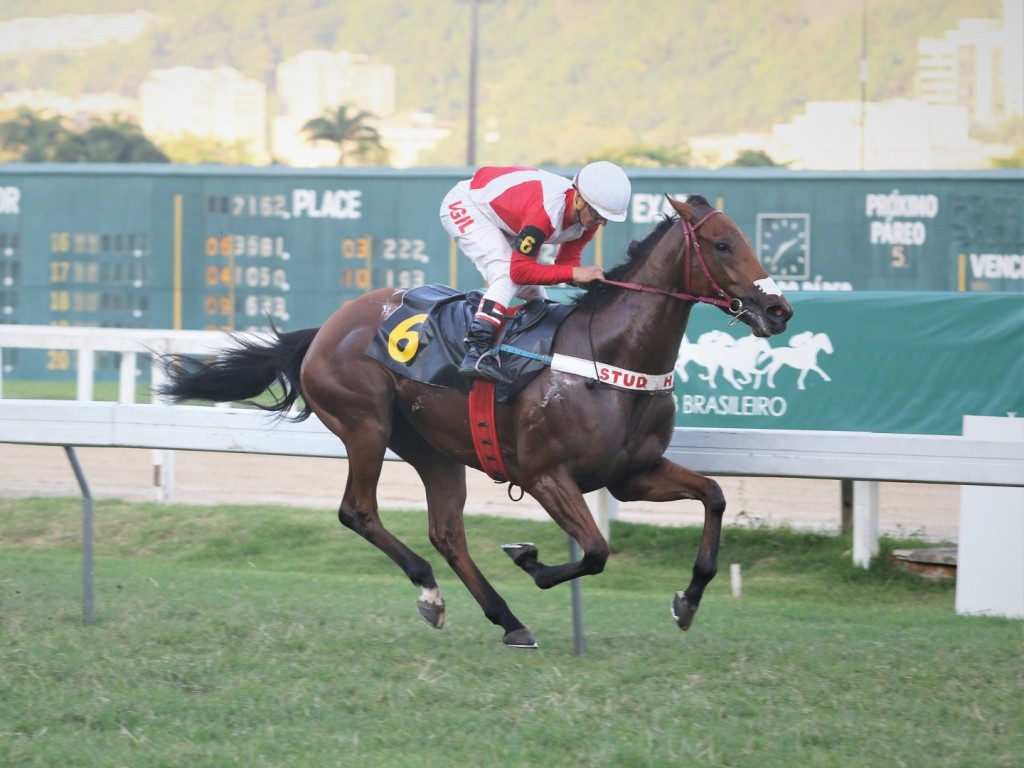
(691, 246)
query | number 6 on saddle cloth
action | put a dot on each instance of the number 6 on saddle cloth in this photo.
(422, 339)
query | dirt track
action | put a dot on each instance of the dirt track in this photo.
(929, 511)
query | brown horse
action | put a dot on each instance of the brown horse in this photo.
(564, 435)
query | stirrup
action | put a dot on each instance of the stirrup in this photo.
(468, 366)
(489, 367)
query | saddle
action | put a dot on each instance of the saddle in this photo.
(423, 339)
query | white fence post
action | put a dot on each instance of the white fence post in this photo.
(865, 522)
(990, 555)
(126, 378)
(603, 507)
(86, 369)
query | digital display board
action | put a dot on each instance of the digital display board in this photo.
(204, 247)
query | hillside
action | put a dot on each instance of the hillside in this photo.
(559, 78)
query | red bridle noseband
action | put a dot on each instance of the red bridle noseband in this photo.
(691, 247)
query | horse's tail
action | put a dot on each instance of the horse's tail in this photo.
(244, 371)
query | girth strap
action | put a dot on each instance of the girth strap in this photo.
(485, 434)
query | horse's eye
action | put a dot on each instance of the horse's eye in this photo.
(721, 248)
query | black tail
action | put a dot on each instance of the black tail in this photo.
(244, 372)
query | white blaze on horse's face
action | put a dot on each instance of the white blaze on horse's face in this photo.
(768, 286)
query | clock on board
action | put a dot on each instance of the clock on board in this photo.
(784, 244)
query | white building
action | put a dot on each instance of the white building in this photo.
(217, 103)
(313, 83)
(406, 136)
(894, 135)
(979, 66)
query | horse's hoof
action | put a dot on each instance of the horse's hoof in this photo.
(520, 638)
(432, 613)
(682, 611)
(521, 552)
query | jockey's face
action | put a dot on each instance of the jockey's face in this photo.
(590, 218)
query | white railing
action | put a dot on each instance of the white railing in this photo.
(129, 342)
(865, 458)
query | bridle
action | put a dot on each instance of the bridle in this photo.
(691, 247)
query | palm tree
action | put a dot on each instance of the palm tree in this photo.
(349, 129)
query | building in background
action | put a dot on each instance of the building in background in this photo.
(972, 77)
(313, 83)
(901, 134)
(978, 66)
(220, 103)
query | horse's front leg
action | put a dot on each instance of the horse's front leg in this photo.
(561, 497)
(671, 482)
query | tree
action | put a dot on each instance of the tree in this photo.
(754, 158)
(116, 141)
(350, 130)
(644, 156)
(32, 138)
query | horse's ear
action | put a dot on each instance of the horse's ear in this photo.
(684, 210)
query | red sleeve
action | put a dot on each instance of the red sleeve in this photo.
(527, 271)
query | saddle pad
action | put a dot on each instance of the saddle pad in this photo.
(423, 339)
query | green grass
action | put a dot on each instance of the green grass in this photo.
(263, 636)
(103, 391)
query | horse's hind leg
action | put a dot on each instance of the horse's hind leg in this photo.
(359, 513)
(366, 439)
(671, 482)
(445, 484)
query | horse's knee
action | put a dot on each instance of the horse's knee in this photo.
(354, 519)
(595, 558)
(441, 542)
(704, 570)
(347, 518)
(714, 497)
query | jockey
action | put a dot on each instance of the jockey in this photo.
(502, 216)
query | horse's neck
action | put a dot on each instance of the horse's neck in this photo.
(640, 331)
(644, 329)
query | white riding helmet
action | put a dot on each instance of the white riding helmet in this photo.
(605, 187)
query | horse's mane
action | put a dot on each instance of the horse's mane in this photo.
(598, 293)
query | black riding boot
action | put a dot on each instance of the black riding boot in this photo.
(480, 360)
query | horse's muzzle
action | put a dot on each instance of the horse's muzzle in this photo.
(769, 319)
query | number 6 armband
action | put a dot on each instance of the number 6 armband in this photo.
(529, 241)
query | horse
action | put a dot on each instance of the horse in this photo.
(562, 436)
